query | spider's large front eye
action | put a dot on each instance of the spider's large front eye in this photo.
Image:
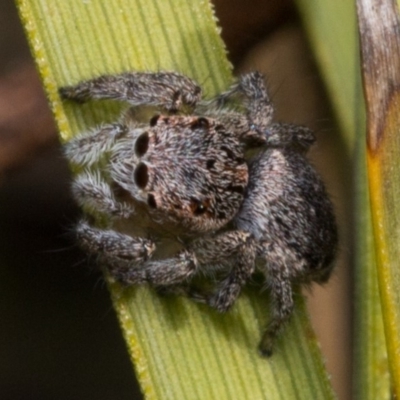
(199, 207)
(141, 175)
(142, 144)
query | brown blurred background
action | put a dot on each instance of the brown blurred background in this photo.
(59, 337)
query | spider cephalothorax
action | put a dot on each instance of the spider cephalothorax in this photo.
(189, 171)
(182, 198)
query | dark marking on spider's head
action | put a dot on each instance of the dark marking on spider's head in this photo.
(151, 200)
(228, 152)
(176, 101)
(199, 207)
(154, 120)
(200, 123)
(221, 215)
(210, 163)
(197, 91)
(239, 160)
(236, 189)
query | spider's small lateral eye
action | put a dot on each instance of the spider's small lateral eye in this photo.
(154, 120)
(197, 90)
(142, 144)
(141, 175)
(151, 201)
(176, 95)
(176, 101)
(228, 152)
(199, 207)
(200, 123)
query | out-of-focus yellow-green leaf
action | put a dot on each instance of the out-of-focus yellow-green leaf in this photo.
(180, 350)
(379, 23)
(332, 29)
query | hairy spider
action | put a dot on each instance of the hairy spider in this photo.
(183, 197)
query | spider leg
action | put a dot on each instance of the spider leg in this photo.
(169, 90)
(219, 249)
(201, 256)
(251, 126)
(92, 193)
(279, 273)
(297, 137)
(122, 254)
(259, 107)
(260, 110)
(229, 289)
(282, 309)
(172, 271)
(87, 149)
(128, 260)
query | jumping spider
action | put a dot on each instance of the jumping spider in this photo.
(182, 195)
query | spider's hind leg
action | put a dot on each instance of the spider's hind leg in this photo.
(281, 272)
(220, 249)
(281, 310)
(251, 126)
(251, 87)
(228, 290)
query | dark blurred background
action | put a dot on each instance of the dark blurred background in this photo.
(59, 337)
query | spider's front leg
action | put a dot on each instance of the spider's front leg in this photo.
(168, 90)
(202, 256)
(170, 272)
(122, 254)
(95, 195)
(128, 259)
(90, 189)
(87, 149)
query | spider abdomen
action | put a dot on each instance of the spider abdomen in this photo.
(289, 213)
